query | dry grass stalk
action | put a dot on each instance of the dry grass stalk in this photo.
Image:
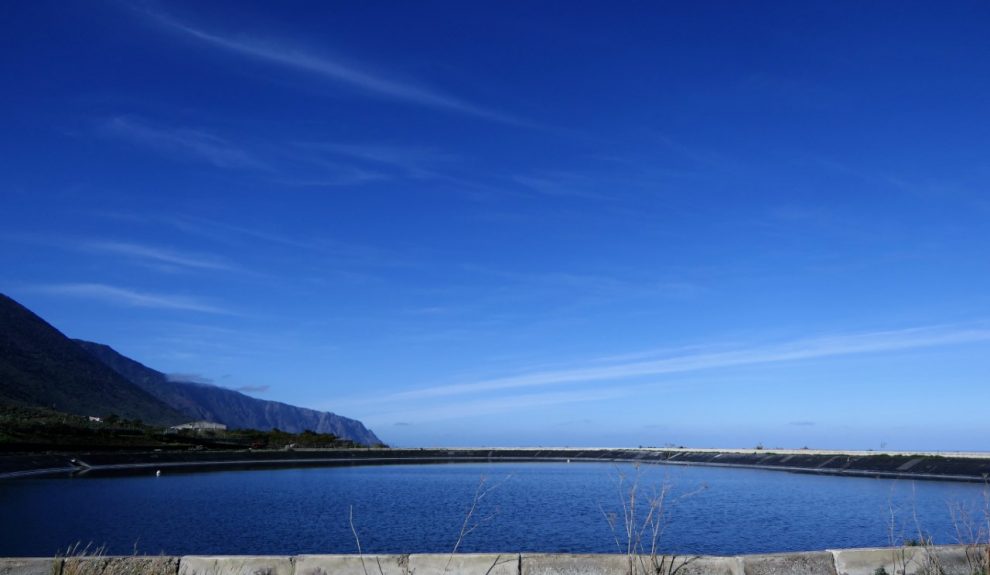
(470, 523)
(89, 560)
(919, 554)
(644, 519)
(357, 540)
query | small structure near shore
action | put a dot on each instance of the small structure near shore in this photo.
(200, 426)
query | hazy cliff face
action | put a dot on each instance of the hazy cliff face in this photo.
(232, 408)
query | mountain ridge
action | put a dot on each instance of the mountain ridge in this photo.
(41, 367)
(230, 407)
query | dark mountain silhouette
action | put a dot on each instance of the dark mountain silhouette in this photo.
(41, 367)
(200, 401)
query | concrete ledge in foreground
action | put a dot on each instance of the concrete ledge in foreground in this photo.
(235, 565)
(962, 559)
(942, 560)
(465, 564)
(29, 566)
(352, 564)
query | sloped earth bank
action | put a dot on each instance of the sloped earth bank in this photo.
(944, 467)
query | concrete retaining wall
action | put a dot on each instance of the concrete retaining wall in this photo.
(942, 560)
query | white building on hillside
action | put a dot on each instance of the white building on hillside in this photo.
(200, 425)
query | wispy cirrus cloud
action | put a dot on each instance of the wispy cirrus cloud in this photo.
(413, 162)
(236, 235)
(130, 298)
(377, 162)
(252, 388)
(160, 255)
(616, 284)
(339, 177)
(488, 406)
(231, 234)
(820, 347)
(189, 378)
(563, 185)
(203, 380)
(350, 73)
(184, 142)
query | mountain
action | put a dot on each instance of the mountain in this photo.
(41, 367)
(234, 409)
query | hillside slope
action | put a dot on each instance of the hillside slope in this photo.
(41, 367)
(232, 408)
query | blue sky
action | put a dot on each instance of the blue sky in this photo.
(541, 223)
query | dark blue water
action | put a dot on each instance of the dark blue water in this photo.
(527, 507)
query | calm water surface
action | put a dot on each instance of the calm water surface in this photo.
(407, 509)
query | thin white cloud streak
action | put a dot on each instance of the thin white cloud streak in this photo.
(600, 285)
(413, 162)
(562, 185)
(398, 162)
(189, 378)
(151, 254)
(349, 73)
(344, 252)
(850, 344)
(479, 407)
(252, 388)
(159, 255)
(188, 142)
(222, 232)
(122, 296)
(344, 177)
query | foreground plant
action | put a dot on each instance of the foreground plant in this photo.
(472, 520)
(90, 560)
(474, 517)
(639, 525)
(920, 555)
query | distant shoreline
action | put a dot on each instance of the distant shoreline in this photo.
(970, 467)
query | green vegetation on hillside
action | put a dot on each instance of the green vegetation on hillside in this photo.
(28, 429)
